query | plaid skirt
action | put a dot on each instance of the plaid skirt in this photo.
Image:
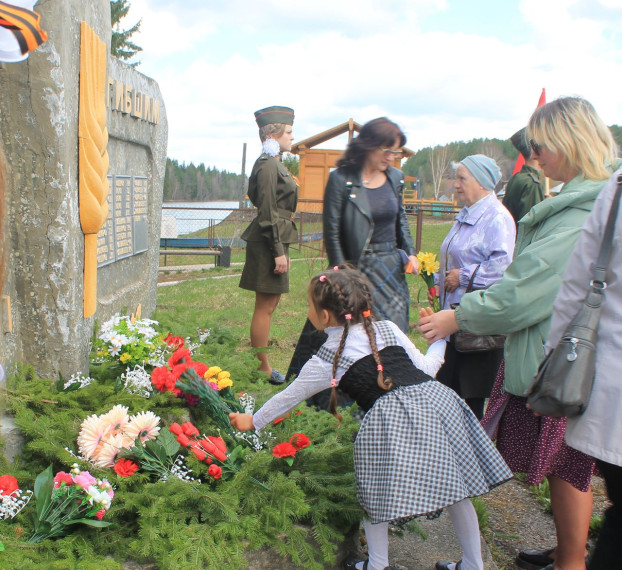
(419, 449)
(384, 269)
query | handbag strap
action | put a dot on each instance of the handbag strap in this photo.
(470, 285)
(604, 255)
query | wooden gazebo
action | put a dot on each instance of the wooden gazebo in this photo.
(316, 164)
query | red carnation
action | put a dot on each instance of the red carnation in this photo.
(300, 441)
(198, 452)
(200, 368)
(8, 485)
(62, 477)
(183, 440)
(189, 429)
(99, 515)
(125, 468)
(279, 420)
(174, 341)
(161, 378)
(285, 449)
(176, 429)
(179, 369)
(179, 355)
(215, 471)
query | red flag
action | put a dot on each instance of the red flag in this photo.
(520, 161)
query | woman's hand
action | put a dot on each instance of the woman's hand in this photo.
(281, 264)
(452, 280)
(431, 298)
(241, 422)
(438, 325)
(415, 263)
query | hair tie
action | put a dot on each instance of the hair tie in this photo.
(333, 383)
(348, 316)
(380, 368)
(322, 278)
(336, 268)
(367, 313)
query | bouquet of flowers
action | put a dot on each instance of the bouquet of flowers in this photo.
(67, 499)
(128, 443)
(428, 266)
(12, 498)
(207, 387)
(223, 464)
(128, 341)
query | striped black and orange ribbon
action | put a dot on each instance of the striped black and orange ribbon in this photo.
(24, 25)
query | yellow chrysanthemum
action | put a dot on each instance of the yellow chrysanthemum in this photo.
(225, 383)
(212, 371)
(125, 357)
(224, 374)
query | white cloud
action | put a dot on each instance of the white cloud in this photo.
(217, 63)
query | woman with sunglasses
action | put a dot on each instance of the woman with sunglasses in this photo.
(364, 219)
(572, 145)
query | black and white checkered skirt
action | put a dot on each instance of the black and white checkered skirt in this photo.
(419, 449)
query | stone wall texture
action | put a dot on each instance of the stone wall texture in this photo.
(43, 237)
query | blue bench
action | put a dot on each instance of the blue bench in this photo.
(196, 246)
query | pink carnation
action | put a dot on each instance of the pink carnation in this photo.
(85, 480)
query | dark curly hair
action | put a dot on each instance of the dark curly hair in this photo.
(377, 133)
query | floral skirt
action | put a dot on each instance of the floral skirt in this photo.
(533, 444)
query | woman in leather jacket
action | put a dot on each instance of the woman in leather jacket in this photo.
(364, 219)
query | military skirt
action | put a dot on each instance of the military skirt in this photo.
(258, 273)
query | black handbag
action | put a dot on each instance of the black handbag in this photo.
(563, 383)
(465, 341)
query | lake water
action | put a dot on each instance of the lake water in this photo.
(180, 218)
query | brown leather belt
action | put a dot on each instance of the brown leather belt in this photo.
(286, 214)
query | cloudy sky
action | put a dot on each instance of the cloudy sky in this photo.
(444, 70)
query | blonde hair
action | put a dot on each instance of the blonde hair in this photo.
(570, 127)
(275, 129)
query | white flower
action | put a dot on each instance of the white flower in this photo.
(98, 497)
(137, 381)
(143, 425)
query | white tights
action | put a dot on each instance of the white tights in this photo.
(465, 522)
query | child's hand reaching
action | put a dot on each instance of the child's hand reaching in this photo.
(241, 422)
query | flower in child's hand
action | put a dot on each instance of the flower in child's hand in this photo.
(125, 468)
(8, 485)
(215, 471)
(300, 441)
(285, 449)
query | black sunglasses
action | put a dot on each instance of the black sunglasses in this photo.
(536, 148)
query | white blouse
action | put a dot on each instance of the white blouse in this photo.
(316, 374)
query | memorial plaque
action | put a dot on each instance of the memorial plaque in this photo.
(139, 211)
(105, 237)
(126, 231)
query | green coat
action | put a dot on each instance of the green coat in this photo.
(274, 193)
(523, 191)
(521, 303)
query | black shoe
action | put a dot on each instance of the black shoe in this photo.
(444, 565)
(351, 562)
(532, 559)
(276, 378)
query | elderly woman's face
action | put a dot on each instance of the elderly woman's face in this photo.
(468, 189)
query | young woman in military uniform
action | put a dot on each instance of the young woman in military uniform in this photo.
(274, 192)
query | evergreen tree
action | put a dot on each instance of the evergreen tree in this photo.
(121, 46)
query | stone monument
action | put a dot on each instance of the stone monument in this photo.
(84, 136)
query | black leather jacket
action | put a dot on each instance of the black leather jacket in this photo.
(348, 224)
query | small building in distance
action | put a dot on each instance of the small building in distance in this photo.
(316, 164)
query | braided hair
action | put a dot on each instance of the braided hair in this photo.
(345, 293)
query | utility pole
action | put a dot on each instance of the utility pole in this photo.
(243, 193)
